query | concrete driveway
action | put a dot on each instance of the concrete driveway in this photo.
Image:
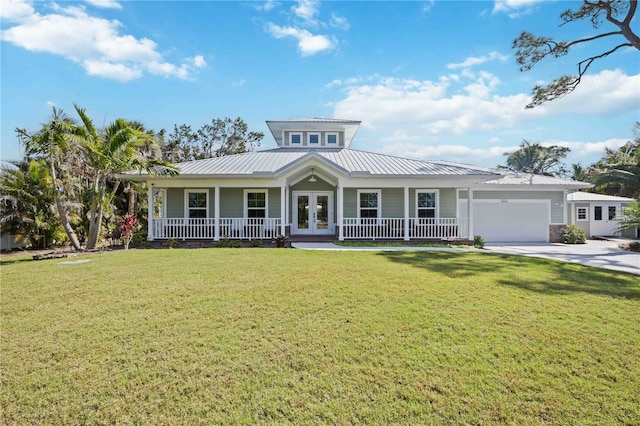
(602, 254)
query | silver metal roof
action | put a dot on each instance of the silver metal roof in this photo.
(589, 196)
(523, 179)
(351, 161)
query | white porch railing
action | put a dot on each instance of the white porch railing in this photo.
(233, 228)
(183, 229)
(382, 228)
(438, 228)
(251, 229)
(393, 228)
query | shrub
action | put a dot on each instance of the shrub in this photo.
(223, 243)
(256, 243)
(235, 244)
(478, 242)
(171, 243)
(127, 225)
(573, 235)
(280, 241)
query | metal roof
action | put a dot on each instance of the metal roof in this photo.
(351, 161)
(589, 196)
(523, 179)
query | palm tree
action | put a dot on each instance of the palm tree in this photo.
(27, 205)
(53, 143)
(619, 171)
(537, 159)
(113, 150)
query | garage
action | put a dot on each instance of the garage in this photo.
(511, 220)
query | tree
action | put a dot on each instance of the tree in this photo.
(537, 159)
(52, 143)
(630, 218)
(27, 205)
(220, 137)
(618, 172)
(113, 150)
(531, 49)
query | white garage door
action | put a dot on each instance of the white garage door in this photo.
(524, 221)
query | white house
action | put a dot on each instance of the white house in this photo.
(313, 185)
(598, 214)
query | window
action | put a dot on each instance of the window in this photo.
(331, 139)
(313, 139)
(369, 204)
(597, 213)
(255, 202)
(426, 203)
(197, 202)
(295, 138)
(581, 213)
(612, 212)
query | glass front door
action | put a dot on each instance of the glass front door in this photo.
(313, 213)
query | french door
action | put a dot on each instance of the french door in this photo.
(312, 213)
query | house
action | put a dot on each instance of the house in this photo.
(598, 214)
(313, 184)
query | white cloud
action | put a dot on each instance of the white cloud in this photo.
(51, 104)
(15, 9)
(267, 6)
(339, 22)
(615, 91)
(306, 9)
(105, 4)
(477, 60)
(199, 62)
(428, 5)
(515, 8)
(93, 42)
(308, 43)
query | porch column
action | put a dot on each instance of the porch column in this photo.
(565, 212)
(470, 212)
(216, 213)
(150, 212)
(283, 209)
(406, 213)
(340, 203)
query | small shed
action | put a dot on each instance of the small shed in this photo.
(598, 214)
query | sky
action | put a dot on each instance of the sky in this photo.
(428, 79)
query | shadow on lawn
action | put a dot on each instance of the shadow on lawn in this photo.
(555, 277)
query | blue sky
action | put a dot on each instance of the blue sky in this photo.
(428, 79)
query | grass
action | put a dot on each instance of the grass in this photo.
(228, 336)
(387, 243)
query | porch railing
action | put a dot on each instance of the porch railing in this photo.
(232, 228)
(393, 228)
(252, 229)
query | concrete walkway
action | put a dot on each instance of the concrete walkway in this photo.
(601, 254)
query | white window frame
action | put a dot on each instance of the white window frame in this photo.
(186, 201)
(326, 138)
(586, 214)
(436, 208)
(602, 213)
(615, 216)
(378, 208)
(246, 202)
(291, 142)
(309, 139)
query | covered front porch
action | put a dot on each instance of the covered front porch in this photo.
(303, 209)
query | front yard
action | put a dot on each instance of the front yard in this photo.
(227, 336)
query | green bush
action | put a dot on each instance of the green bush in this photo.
(573, 235)
(280, 241)
(478, 242)
(256, 243)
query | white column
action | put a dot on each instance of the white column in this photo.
(406, 213)
(216, 213)
(340, 202)
(565, 208)
(283, 209)
(287, 208)
(150, 212)
(470, 211)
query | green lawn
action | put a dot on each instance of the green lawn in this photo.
(245, 336)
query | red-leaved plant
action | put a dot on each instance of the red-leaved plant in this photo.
(127, 225)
